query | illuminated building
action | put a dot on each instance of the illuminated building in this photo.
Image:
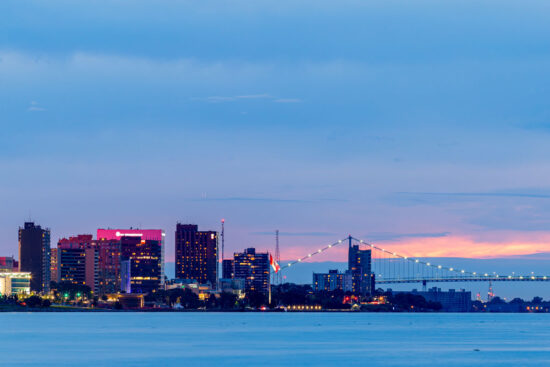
(53, 265)
(228, 269)
(144, 257)
(332, 280)
(254, 268)
(15, 283)
(78, 261)
(34, 255)
(155, 240)
(196, 254)
(110, 264)
(359, 264)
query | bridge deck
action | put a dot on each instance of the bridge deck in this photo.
(498, 278)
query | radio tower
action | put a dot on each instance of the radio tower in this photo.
(223, 239)
(277, 256)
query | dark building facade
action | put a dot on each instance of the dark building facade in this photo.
(34, 255)
(228, 269)
(359, 265)
(144, 257)
(196, 254)
(254, 268)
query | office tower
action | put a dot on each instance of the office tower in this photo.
(359, 264)
(228, 269)
(254, 268)
(78, 261)
(53, 265)
(154, 239)
(34, 255)
(144, 262)
(109, 266)
(196, 254)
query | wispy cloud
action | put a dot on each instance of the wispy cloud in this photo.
(262, 96)
(287, 100)
(388, 236)
(35, 108)
(253, 199)
(479, 194)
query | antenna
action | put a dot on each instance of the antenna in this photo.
(223, 239)
(277, 256)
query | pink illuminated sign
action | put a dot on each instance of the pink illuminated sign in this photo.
(117, 234)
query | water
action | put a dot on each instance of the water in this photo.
(275, 339)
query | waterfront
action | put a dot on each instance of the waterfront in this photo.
(306, 339)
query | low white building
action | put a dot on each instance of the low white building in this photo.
(15, 283)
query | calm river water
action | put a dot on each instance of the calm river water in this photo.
(274, 339)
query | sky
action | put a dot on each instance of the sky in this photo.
(422, 126)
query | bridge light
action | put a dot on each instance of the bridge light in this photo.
(339, 241)
(319, 251)
(532, 277)
(428, 264)
(462, 271)
(486, 274)
(416, 260)
(308, 255)
(405, 257)
(329, 246)
(451, 269)
(289, 264)
(474, 273)
(361, 241)
(521, 277)
(439, 266)
(299, 260)
(371, 245)
(544, 277)
(509, 277)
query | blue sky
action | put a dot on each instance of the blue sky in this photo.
(423, 124)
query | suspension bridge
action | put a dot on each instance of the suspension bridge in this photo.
(392, 268)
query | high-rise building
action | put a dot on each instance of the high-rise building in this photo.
(78, 261)
(154, 239)
(53, 265)
(254, 268)
(34, 255)
(196, 254)
(110, 265)
(144, 258)
(228, 269)
(359, 264)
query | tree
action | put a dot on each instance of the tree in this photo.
(189, 300)
(537, 300)
(227, 300)
(33, 301)
(497, 301)
(256, 299)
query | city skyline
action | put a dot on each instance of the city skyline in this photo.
(434, 145)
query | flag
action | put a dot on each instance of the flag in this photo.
(274, 264)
